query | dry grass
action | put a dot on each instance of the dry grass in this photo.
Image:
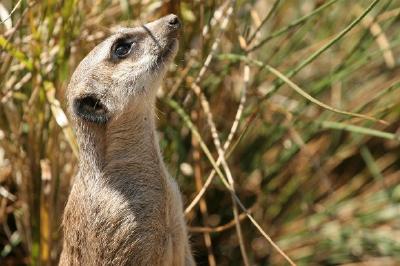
(280, 121)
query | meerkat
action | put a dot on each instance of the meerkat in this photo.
(123, 208)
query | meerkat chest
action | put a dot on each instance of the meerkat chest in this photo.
(121, 205)
(103, 223)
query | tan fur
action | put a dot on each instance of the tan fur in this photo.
(124, 208)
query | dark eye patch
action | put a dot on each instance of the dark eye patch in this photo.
(91, 109)
(122, 48)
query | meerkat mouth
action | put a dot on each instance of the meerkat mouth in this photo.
(168, 52)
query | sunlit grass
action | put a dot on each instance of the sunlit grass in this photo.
(314, 153)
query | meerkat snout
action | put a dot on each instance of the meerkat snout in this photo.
(123, 70)
(174, 21)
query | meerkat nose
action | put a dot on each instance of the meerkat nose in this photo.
(173, 21)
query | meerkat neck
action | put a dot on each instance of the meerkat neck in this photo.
(91, 141)
(132, 142)
(127, 144)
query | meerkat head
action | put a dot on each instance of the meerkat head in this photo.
(123, 70)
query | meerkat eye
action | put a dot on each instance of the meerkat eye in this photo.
(122, 49)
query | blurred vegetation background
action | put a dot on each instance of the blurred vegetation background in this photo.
(265, 84)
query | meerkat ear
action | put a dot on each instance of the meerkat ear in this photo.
(91, 109)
